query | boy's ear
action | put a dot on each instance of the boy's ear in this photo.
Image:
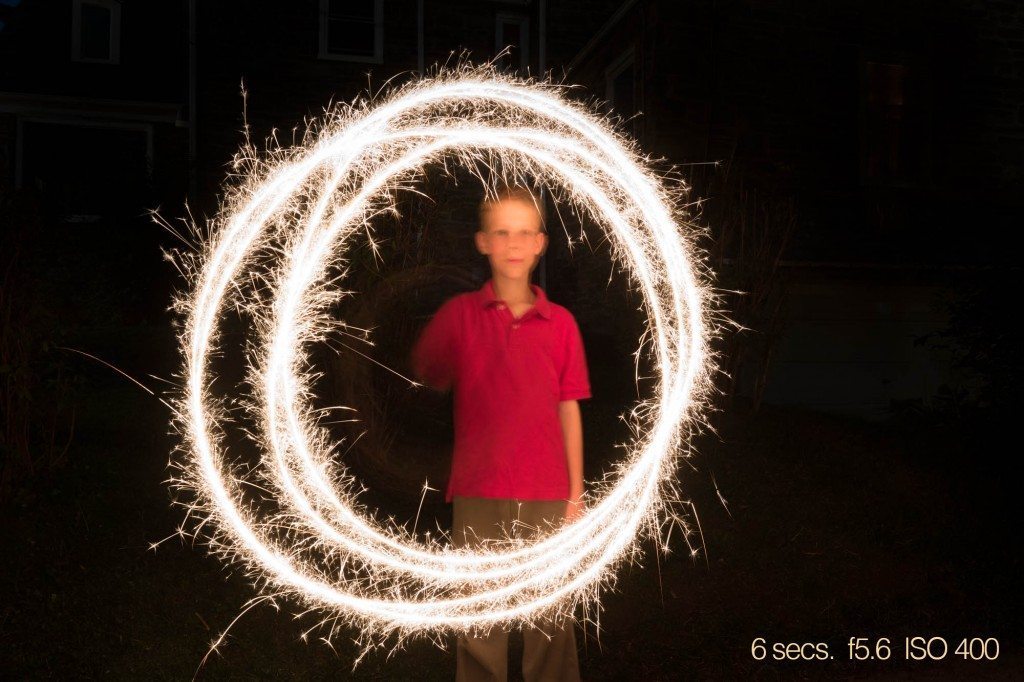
(481, 241)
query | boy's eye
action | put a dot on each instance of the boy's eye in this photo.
(521, 235)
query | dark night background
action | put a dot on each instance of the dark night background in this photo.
(860, 166)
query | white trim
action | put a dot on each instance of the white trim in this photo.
(420, 67)
(79, 108)
(502, 18)
(114, 52)
(19, 152)
(542, 37)
(193, 127)
(378, 37)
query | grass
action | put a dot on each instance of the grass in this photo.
(838, 529)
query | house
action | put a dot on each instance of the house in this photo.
(897, 131)
(157, 85)
(112, 108)
(93, 108)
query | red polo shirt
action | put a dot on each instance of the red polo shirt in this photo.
(508, 375)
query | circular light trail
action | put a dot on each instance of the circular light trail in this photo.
(300, 211)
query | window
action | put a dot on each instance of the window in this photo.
(96, 31)
(7, 8)
(513, 31)
(894, 131)
(105, 170)
(352, 30)
(620, 88)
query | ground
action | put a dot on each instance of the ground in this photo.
(838, 529)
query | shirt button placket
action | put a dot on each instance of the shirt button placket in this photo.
(501, 308)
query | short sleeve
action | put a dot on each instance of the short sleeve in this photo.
(574, 382)
(433, 356)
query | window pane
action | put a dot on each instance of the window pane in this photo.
(351, 9)
(510, 34)
(95, 38)
(622, 92)
(102, 171)
(511, 37)
(351, 37)
(889, 133)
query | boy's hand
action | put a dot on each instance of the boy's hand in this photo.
(574, 509)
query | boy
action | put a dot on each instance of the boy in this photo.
(517, 366)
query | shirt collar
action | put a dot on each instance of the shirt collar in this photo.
(486, 297)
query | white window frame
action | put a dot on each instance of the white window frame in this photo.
(378, 37)
(115, 31)
(502, 18)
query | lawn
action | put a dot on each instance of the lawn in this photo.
(834, 528)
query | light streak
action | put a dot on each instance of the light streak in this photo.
(287, 229)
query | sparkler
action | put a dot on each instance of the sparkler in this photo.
(276, 250)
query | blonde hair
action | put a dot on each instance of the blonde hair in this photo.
(512, 193)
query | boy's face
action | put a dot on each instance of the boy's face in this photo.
(511, 238)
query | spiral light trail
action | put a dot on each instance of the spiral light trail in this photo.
(287, 229)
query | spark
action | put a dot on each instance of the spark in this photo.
(275, 251)
(127, 376)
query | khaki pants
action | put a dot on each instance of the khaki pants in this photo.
(549, 652)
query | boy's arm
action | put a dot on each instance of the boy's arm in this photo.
(433, 355)
(574, 385)
(572, 431)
